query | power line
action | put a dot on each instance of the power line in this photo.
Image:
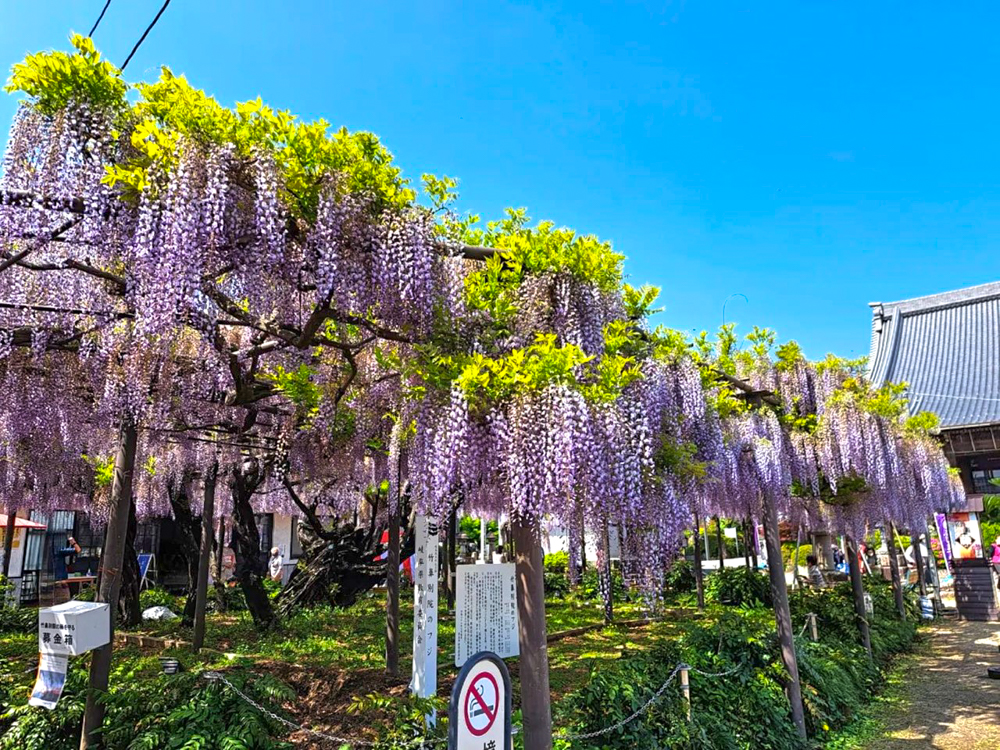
(98, 21)
(144, 35)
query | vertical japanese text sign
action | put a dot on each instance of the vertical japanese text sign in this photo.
(425, 603)
(485, 611)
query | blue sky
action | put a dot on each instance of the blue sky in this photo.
(811, 156)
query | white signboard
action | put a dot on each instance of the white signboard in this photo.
(425, 603)
(485, 611)
(73, 628)
(479, 713)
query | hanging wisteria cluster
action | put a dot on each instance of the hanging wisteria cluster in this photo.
(831, 451)
(237, 283)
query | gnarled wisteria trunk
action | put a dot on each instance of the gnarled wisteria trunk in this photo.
(204, 556)
(897, 584)
(782, 614)
(699, 573)
(129, 609)
(858, 590)
(112, 556)
(250, 568)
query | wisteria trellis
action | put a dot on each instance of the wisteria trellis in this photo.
(231, 297)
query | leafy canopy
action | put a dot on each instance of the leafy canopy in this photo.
(171, 111)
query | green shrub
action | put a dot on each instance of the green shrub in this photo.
(151, 711)
(157, 597)
(232, 598)
(680, 578)
(406, 718)
(557, 562)
(738, 587)
(14, 619)
(745, 709)
(556, 566)
(788, 554)
(834, 609)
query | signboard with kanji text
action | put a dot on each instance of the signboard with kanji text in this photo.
(485, 611)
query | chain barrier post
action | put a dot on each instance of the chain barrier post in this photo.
(422, 742)
(686, 690)
(813, 628)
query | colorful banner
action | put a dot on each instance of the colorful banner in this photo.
(942, 528)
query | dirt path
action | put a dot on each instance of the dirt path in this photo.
(949, 703)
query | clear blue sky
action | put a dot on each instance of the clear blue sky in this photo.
(813, 156)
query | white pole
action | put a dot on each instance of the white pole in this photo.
(423, 681)
(482, 539)
(686, 691)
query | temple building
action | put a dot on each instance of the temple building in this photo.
(946, 348)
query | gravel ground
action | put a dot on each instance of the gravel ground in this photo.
(951, 703)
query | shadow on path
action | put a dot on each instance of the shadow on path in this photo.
(951, 703)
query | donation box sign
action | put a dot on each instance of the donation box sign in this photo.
(73, 628)
(485, 611)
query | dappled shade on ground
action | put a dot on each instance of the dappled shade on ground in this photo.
(950, 703)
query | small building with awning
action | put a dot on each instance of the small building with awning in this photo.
(17, 546)
(946, 348)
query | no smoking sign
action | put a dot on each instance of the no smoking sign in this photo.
(479, 714)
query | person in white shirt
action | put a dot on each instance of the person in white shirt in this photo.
(275, 564)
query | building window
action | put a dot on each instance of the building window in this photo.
(295, 546)
(147, 537)
(981, 484)
(265, 527)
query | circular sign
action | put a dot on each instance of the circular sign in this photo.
(481, 703)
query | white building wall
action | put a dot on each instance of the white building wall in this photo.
(281, 537)
(16, 559)
(556, 539)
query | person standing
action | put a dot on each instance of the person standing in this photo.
(60, 559)
(274, 565)
(816, 577)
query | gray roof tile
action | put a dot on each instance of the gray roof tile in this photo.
(947, 348)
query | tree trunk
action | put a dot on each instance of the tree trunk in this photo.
(336, 568)
(207, 526)
(607, 584)
(753, 548)
(858, 589)
(720, 542)
(221, 549)
(111, 564)
(188, 545)
(250, 568)
(220, 552)
(699, 574)
(129, 610)
(583, 545)
(782, 615)
(897, 583)
(8, 541)
(931, 561)
(392, 588)
(918, 559)
(450, 558)
(534, 662)
(746, 544)
(795, 558)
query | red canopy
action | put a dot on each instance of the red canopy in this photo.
(20, 523)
